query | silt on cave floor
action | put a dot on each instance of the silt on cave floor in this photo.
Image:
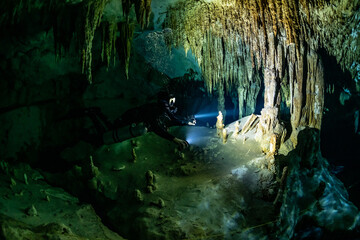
(156, 191)
(145, 188)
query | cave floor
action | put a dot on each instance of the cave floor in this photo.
(145, 188)
(212, 190)
(32, 209)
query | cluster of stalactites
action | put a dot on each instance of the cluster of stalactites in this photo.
(68, 20)
(222, 34)
(336, 25)
(93, 10)
(142, 10)
(217, 32)
(108, 42)
(81, 20)
(12, 11)
(126, 29)
(280, 38)
(57, 12)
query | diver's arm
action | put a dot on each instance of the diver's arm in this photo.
(182, 121)
(164, 134)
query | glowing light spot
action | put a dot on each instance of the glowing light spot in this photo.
(206, 115)
(190, 140)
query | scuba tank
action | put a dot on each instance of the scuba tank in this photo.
(124, 133)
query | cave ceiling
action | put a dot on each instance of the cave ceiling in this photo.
(222, 35)
(240, 27)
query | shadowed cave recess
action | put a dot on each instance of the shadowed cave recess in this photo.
(274, 87)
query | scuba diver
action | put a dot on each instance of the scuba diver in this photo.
(153, 117)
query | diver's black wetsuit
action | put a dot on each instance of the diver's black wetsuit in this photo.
(157, 117)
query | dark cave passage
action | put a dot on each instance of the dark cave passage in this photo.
(339, 141)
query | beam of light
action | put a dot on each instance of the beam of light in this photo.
(198, 136)
(206, 115)
(213, 114)
(191, 137)
(190, 140)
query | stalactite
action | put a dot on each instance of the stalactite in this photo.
(126, 5)
(252, 94)
(93, 10)
(313, 110)
(285, 90)
(248, 87)
(272, 9)
(126, 35)
(108, 48)
(14, 11)
(297, 89)
(221, 100)
(305, 5)
(241, 97)
(63, 19)
(286, 21)
(143, 10)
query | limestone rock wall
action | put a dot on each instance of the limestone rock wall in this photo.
(36, 91)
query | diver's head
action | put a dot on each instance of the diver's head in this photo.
(172, 101)
(165, 97)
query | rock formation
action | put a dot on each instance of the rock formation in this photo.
(280, 38)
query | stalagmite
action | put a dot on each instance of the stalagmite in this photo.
(237, 129)
(224, 135)
(150, 181)
(133, 155)
(219, 124)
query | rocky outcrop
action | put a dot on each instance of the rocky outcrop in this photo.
(32, 209)
(314, 199)
(11, 229)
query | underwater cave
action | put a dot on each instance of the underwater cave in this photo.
(179, 119)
